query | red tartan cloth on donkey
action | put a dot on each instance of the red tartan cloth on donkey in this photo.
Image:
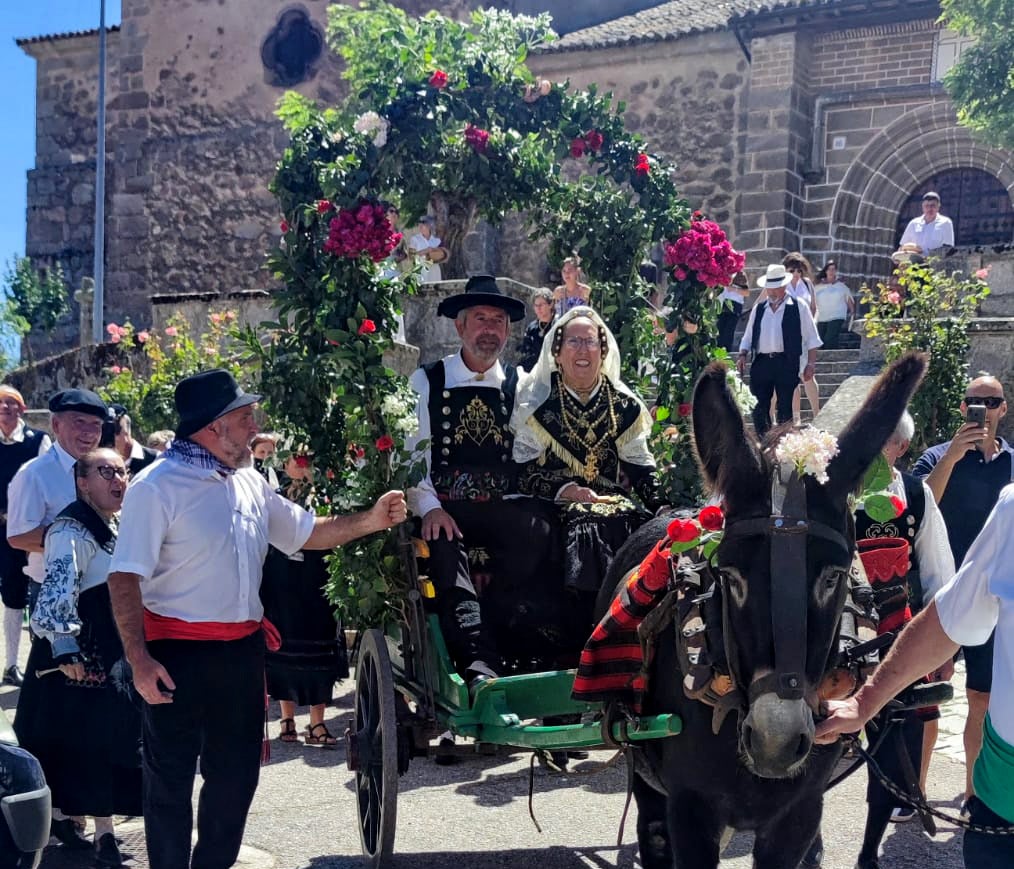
(612, 662)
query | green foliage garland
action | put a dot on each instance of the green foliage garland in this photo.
(439, 111)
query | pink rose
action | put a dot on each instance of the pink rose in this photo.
(894, 297)
(171, 331)
(116, 369)
(982, 274)
(142, 337)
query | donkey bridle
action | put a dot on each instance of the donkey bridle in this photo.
(789, 530)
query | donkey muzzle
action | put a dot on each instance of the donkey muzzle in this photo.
(777, 735)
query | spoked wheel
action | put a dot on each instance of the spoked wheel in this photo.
(374, 754)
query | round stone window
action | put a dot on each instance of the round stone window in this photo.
(292, 50)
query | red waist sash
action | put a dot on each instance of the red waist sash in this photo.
(157, 627)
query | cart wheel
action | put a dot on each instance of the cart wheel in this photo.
(376, 738)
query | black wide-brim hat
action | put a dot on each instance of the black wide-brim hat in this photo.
(204, 397)
(482, 290)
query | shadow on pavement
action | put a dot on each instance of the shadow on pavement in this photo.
(557, 857)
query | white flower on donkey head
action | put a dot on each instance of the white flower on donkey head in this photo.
(808, 450)
(368, 122)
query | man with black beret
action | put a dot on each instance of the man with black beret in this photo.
(465, 403)
(44, 486)
(185, 589)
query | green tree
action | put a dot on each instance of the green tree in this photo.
(36, 298)
(982, 82)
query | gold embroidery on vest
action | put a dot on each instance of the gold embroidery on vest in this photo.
(477, 423)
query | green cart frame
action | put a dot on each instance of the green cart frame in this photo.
(407, 693)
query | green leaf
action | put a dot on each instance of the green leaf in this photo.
(879, 507)
(878, 475)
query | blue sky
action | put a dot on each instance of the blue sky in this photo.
(17, 69)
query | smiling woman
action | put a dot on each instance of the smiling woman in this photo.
(75, 669)
(581, 441)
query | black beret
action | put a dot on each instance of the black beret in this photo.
(79, 401)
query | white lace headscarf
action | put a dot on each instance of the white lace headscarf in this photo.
(535, 386)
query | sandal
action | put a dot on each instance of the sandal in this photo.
(287, 731)
(319, 735)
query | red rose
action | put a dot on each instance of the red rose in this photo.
(898, 504)
(329, 474)
(593, 139)
(683, 531)
(478, 139)
(642, 166)
(323, 206)
(697, 215)
(711, 518)
(284, 226)
(384, 443)
(684, 409)
(577, 148)
(438, 79)
(360, 452)
(368, 327)
(302, 461)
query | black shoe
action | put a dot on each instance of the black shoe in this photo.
(902, 814)
(559, 759)
(815, 856)
(13, 676)
(106, 852)
(66, 833)
(444, 754)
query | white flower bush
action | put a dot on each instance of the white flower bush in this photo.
(371, 122)
(809, 451)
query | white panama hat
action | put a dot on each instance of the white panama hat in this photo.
(776, 276)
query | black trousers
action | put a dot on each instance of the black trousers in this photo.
(520, 537)
(217, 714)
(727, 321)
(880, 803)
(773, 375)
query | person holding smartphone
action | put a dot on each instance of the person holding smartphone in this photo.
(966, 475)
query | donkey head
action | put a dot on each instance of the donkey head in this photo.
(785, 557)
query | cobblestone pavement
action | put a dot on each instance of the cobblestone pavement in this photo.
(474, 815)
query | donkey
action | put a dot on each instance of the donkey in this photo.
(782, 599)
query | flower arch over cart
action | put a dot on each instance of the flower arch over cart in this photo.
(445, 115)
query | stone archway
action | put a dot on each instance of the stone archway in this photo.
(921, 143)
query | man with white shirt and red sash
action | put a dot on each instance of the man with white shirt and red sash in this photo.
(978, 599)
(184, 582)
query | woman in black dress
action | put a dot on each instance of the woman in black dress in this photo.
(76, 712)
(313, 655)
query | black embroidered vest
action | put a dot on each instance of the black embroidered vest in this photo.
(13, 456)
(792, 330)
(470, 442)
(905, 526)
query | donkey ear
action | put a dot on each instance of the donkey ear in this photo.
(867, 432)
(729, 458)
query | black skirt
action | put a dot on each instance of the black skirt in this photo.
(86, 735)
(313, 655)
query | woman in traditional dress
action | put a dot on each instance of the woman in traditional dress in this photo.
(313, 655)
(75, 712)
(581, 440)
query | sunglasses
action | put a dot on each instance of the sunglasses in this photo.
(990, 401)
(107, 472)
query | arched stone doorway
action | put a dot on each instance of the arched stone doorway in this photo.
(895, 164)
(976, 202)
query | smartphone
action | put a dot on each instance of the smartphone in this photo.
(976, 414)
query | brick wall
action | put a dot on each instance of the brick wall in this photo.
(864, 57)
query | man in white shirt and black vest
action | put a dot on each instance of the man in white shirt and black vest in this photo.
(465, 404)
(778, 333)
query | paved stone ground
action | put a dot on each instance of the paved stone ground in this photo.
(474, 815)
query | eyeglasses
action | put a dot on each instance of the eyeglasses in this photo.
(107, 472)
(990, 401)
(579, 343)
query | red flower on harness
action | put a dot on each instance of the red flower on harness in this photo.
(683, 530)
(711, 518)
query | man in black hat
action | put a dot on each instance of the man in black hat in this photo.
(465, 404)
(185, 582)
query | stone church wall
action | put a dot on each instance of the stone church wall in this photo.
(684, 97)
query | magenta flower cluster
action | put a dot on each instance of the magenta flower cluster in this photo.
(702, 253)
(362, 230)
